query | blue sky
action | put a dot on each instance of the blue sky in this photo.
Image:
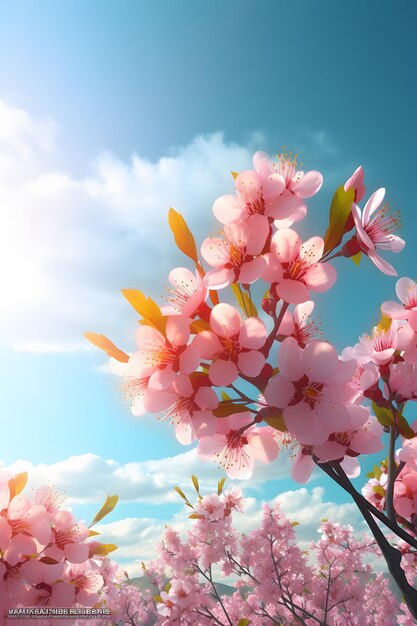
(192, 89)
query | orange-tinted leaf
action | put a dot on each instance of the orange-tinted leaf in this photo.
(17, 484)
(93, 533)
(100, 341)
(220, 485)
(147, 308)
(182, 234)
(195, 483)
(235, 175)
(198, 325)
(244, 301)
(214, 297)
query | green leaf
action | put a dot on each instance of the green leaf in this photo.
(277, 421)
(339, 212)
(227, 408)
(383, 415)
(243, 622)
(157, 599)
(220, 486)
(107, 508)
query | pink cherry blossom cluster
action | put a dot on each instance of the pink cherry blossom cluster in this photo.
(46, 557)
(245, 382)
(271, 579)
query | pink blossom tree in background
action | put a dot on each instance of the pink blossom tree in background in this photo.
(271, 579)
(241, 379)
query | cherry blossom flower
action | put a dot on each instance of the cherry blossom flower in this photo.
(298, 324)
(378, 348)
(406, 290)
(161, 358)
(236, 257)
(355, 182)
(236, 448)
(232, 344)
(294, 267)
(188, 294)
(405, 493)
(312, 390)
(377, 233)
(188, 403)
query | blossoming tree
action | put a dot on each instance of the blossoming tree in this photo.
(244, 380)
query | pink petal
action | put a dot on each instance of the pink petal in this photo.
(349, 464)
(263, 446)
(302, 312)
(285, 243)
(161, 378)
(215, 251)
(289, 360)
(252, 333)
(405, 288)
(219, 278)
(206, 398)
(228, 209)
(394, 310)
(181, 277)
(381, 264)
(257, 233)
(251, 363)
(279, 392)
(207, 344)
(184, 433)
(262, 164)
(302, 467)
(272, 186)
(372, 204)
(292, 291)
(248, 186)
(301, 423)
(190, 359)
(330, 451)
(178, 330)
(311, 250)
(76, 552)
(252, 270)
(182, 386)
(272, 272)
(223, 373)
(309, 184)
(210, 446)
(319, 360)
(225, 320)
(320, 277)
(149, 338)
(156, 401)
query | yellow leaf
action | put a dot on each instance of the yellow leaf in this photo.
(225, 396)
(181, 493)
(182, 234)
(147, 308)
(103, 549)
(220, 486)
(194, 516)
(294, 524)
(379, 490)
(339, 212)
(244, 301)
(384, 322)
(356, 258)
(195, 483)
(157, 599)
(235, 175)
(92, 533)
(198, 325)
(100, 341)
(107, 508)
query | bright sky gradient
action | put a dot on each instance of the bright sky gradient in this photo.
(110, 112)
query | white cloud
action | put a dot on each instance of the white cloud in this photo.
(68, 245)
(89, 478)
